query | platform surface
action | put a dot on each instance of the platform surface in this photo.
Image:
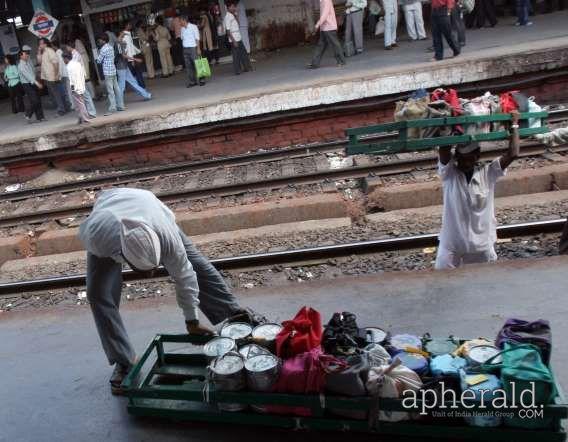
(281, 82)
(54, 373)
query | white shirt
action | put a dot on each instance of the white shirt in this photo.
(189, 36)
(232, 26)
(468, 220)
(131, 49)
(100, 233)
(76, 73)
(62, 66)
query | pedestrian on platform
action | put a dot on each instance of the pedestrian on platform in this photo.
(354, 10)
(106, 59)
(458, 24)
(327, 26)
(76, 73)
(64, 76)
(191, 50)
(132, 226)
(414, 19)
(219, 31)
(373, 17)
(241, 61)
(133, 54)
(177, 48)
(15, 89)
(523, 7)
(390, 7)
(77, 44)
(243, 25)
(441, 27)
(124, 73)
(87, 96)
(207, 38)
(469, 226)
(30, 85)
(163, 39)
(49, 62)
(484, 10)
(145, 39)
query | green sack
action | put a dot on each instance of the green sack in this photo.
(202, 67)
(522, 370)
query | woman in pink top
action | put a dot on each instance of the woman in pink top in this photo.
(327, 25)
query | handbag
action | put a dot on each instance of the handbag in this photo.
(349, 379)
(202, 68)
(303, 374)
(522, 370)
(300, 335)
(341, 335)
(518, 331)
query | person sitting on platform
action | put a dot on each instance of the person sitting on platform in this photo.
(468, 231)
(132, 226)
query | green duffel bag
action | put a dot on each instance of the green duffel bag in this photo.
(528, 383)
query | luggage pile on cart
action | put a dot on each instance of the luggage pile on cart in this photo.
(302, 375)
(441, 118)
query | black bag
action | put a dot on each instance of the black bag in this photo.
(341, 336)
(350, 381)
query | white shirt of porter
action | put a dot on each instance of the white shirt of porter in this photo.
(468, 220)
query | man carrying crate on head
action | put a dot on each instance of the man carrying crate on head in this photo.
(132, 226)
(468, 231)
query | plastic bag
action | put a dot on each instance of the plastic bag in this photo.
(380, 27)
(391, 381)
(202, 68)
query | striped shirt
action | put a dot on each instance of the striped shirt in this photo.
(106, 58)
(27, 73)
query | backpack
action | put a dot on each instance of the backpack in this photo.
(518, 331)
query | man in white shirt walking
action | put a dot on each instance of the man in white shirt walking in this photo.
(241, 60)
(76, 75)
(191, 50)
(469, 226)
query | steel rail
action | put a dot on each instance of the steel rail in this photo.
(291, 256)
(193, 166)
(356, 172)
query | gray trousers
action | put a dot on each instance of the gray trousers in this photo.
(241, 60)
(104, 287)
(114, 94)
(189, 56)
(458, 26)
(354, 30)
(328, 38)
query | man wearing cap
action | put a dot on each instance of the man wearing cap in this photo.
(132, 226)
(469, 226)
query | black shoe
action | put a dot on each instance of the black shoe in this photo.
(119, 373)
(190, 85)
(201, 83)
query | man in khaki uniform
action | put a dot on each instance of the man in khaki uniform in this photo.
(49, 62)
(144, 38)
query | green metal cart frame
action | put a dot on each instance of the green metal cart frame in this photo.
(194, 399)
(359, 142)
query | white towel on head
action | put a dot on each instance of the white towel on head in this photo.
(140, 244)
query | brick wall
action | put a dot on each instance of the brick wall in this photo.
(248, 137)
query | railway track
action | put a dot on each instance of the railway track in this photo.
(290, 257)
(96, 183)
(322, 175)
